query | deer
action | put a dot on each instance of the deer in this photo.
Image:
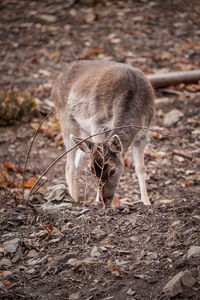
(115, 100)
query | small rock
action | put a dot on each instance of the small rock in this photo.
(75, 296)
(31, 271)
(62, 258)
(43, 260)
(98, 234)
(56, 193)
(5, 262)
(194, 251)
(46, 19)
(175, 285)
(12, 245)
(50, 206)
(143, 276)
(74, 262)
(90, 18)
(172, 117)
(6, 273)
(32, 254)
(130, 292)
(95, 252)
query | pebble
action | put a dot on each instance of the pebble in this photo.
(5, 262)
(175, 285)
(194, 251)
(43, 260)
(95, 252)
(172, 117)
(11, 245)
(45, 18)
(98, 234)
(75, 296)
(130, 292)
(56, 193)
(32, 254)
(31, 271)
(74, 262)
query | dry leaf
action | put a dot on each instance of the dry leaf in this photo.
(60, 143)
(127, 162)
(9, 166)
(117, 202)
(158, 135)
(187, 183)
(7, 283)
(54, 54)
(116, 273)
(29, 184)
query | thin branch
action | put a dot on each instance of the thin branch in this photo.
(29, 151)
(107, 131)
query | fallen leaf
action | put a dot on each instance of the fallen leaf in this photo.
(7, 283)
(5, 175)
(117, 202)
(9, 166)
(60, 143)
(116, 273)
(29, 184)
(127, 162)
(158, 135)
(54, 54)
(193, 121)
(187, 183)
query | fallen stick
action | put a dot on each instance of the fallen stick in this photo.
(172, 78)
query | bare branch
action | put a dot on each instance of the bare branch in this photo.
(107, 131)
(28, 153)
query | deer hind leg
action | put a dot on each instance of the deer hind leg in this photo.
(138, 156)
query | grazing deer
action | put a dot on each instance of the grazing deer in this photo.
(95, 96)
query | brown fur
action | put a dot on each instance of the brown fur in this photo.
(92, 96)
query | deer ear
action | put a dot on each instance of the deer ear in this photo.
(115, 144)
(85, 146)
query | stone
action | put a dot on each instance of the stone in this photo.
(176, 284)
(74, 262)
(56, 193)
(98, 234)
(30, 271)
(36, 261)
(90, 18)
(75, 296)
(5, 262)
(6, 273)
(194, 251)
(33, 254)
(50, 206)
(95, 252)
(46, 19)
(11, 245)
(130, 292)
(172, 117)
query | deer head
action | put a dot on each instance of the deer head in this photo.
(106, 163)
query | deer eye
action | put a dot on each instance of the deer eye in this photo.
(112, 172)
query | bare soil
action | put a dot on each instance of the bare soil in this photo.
(139, 249)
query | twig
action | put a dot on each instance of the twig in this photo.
(174, 92)
(28, 154)
(107, 131)
(180, 153)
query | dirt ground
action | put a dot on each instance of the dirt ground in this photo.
(52, 249)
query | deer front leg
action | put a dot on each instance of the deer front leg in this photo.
(138, 156)
(71, 176)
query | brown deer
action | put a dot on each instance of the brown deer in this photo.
(93, 96)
